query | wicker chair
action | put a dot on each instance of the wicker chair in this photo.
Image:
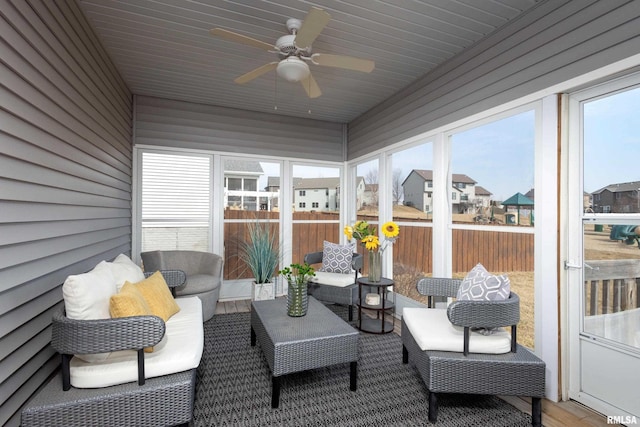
(517, 372)
(344, 295)
(165, 400)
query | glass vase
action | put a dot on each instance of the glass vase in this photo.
(375, 266)
(297, 299)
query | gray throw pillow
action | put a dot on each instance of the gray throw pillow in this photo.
(480, 285)
(337, 258)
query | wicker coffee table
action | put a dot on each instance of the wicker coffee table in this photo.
(295, 344)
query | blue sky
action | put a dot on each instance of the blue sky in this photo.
(612, 140)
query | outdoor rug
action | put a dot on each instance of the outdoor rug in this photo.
(234, 388)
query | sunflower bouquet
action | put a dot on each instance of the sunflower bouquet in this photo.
(366, 234)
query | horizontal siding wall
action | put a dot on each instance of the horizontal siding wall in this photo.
(65, 178)
(170, 123)
(554, 42)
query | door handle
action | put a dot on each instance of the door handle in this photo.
(568, 265)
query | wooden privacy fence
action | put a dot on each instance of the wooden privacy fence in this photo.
(611, 285)
(497, 251)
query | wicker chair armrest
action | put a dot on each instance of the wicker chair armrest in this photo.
(485, 314)
(69, 336)
(174, 278)
(438, 286)
(313, 258)
(357, 261)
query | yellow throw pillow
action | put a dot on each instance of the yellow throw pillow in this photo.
(128, 302)
(158, 296)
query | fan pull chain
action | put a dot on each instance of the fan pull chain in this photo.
(275, 93)
(309, 98)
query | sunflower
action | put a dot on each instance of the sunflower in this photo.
(390, 229)
(348, 231)
(371, 243)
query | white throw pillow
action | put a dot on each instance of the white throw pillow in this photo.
(125, 270)
(86, 297)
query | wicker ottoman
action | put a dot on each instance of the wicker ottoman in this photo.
(295, 344)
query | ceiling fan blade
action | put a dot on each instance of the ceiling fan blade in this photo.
(340, 61)
(256, 73)
(312, 26)
(239, 38)
(311, 87)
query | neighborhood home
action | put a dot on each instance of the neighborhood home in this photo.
(466, 195)
(149, 149)
(617, 198)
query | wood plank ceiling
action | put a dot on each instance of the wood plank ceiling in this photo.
(163, 48)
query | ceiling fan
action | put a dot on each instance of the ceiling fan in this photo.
(294, 51)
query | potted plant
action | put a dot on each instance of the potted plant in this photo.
(297, 276)
(260, 253)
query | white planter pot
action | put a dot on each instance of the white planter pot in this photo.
(262, 291)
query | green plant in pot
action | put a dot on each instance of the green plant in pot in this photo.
(260, 253)
(297, 276)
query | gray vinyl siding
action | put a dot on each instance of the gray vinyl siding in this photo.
(554, 42)
(168, 123)
(65, 178)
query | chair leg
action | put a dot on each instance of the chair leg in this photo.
(433, 407)
(350, 313)
(536, 412)
(405, 354)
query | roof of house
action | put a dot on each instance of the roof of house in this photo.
(310, 183)
(620, 187)
(235, 165)
(427, 175)
(481, 191)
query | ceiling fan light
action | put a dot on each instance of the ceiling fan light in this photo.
(293, 69)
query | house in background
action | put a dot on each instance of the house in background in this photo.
(617, 198)
(370, 195)
(466, 196)
(316, 195)
(241, 184)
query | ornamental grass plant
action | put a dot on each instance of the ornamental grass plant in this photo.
(260, 252)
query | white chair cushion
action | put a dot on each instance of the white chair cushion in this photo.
(180, 350)
(125, 270)
(333, 279)
(432, 330)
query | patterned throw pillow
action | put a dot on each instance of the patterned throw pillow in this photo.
(337, 258)
(481, 285)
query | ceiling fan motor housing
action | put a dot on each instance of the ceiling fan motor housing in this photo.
(286, 47)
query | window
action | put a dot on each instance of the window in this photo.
(234, 184)
(175, 205)
(302, 193)
(618, 196)
(310, 227)
(606, 209)
(453, 196)
(497, 156)
(256, 199)
(412, 169)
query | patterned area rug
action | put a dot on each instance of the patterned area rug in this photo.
(234, 388)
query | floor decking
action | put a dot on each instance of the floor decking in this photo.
(554, 414)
